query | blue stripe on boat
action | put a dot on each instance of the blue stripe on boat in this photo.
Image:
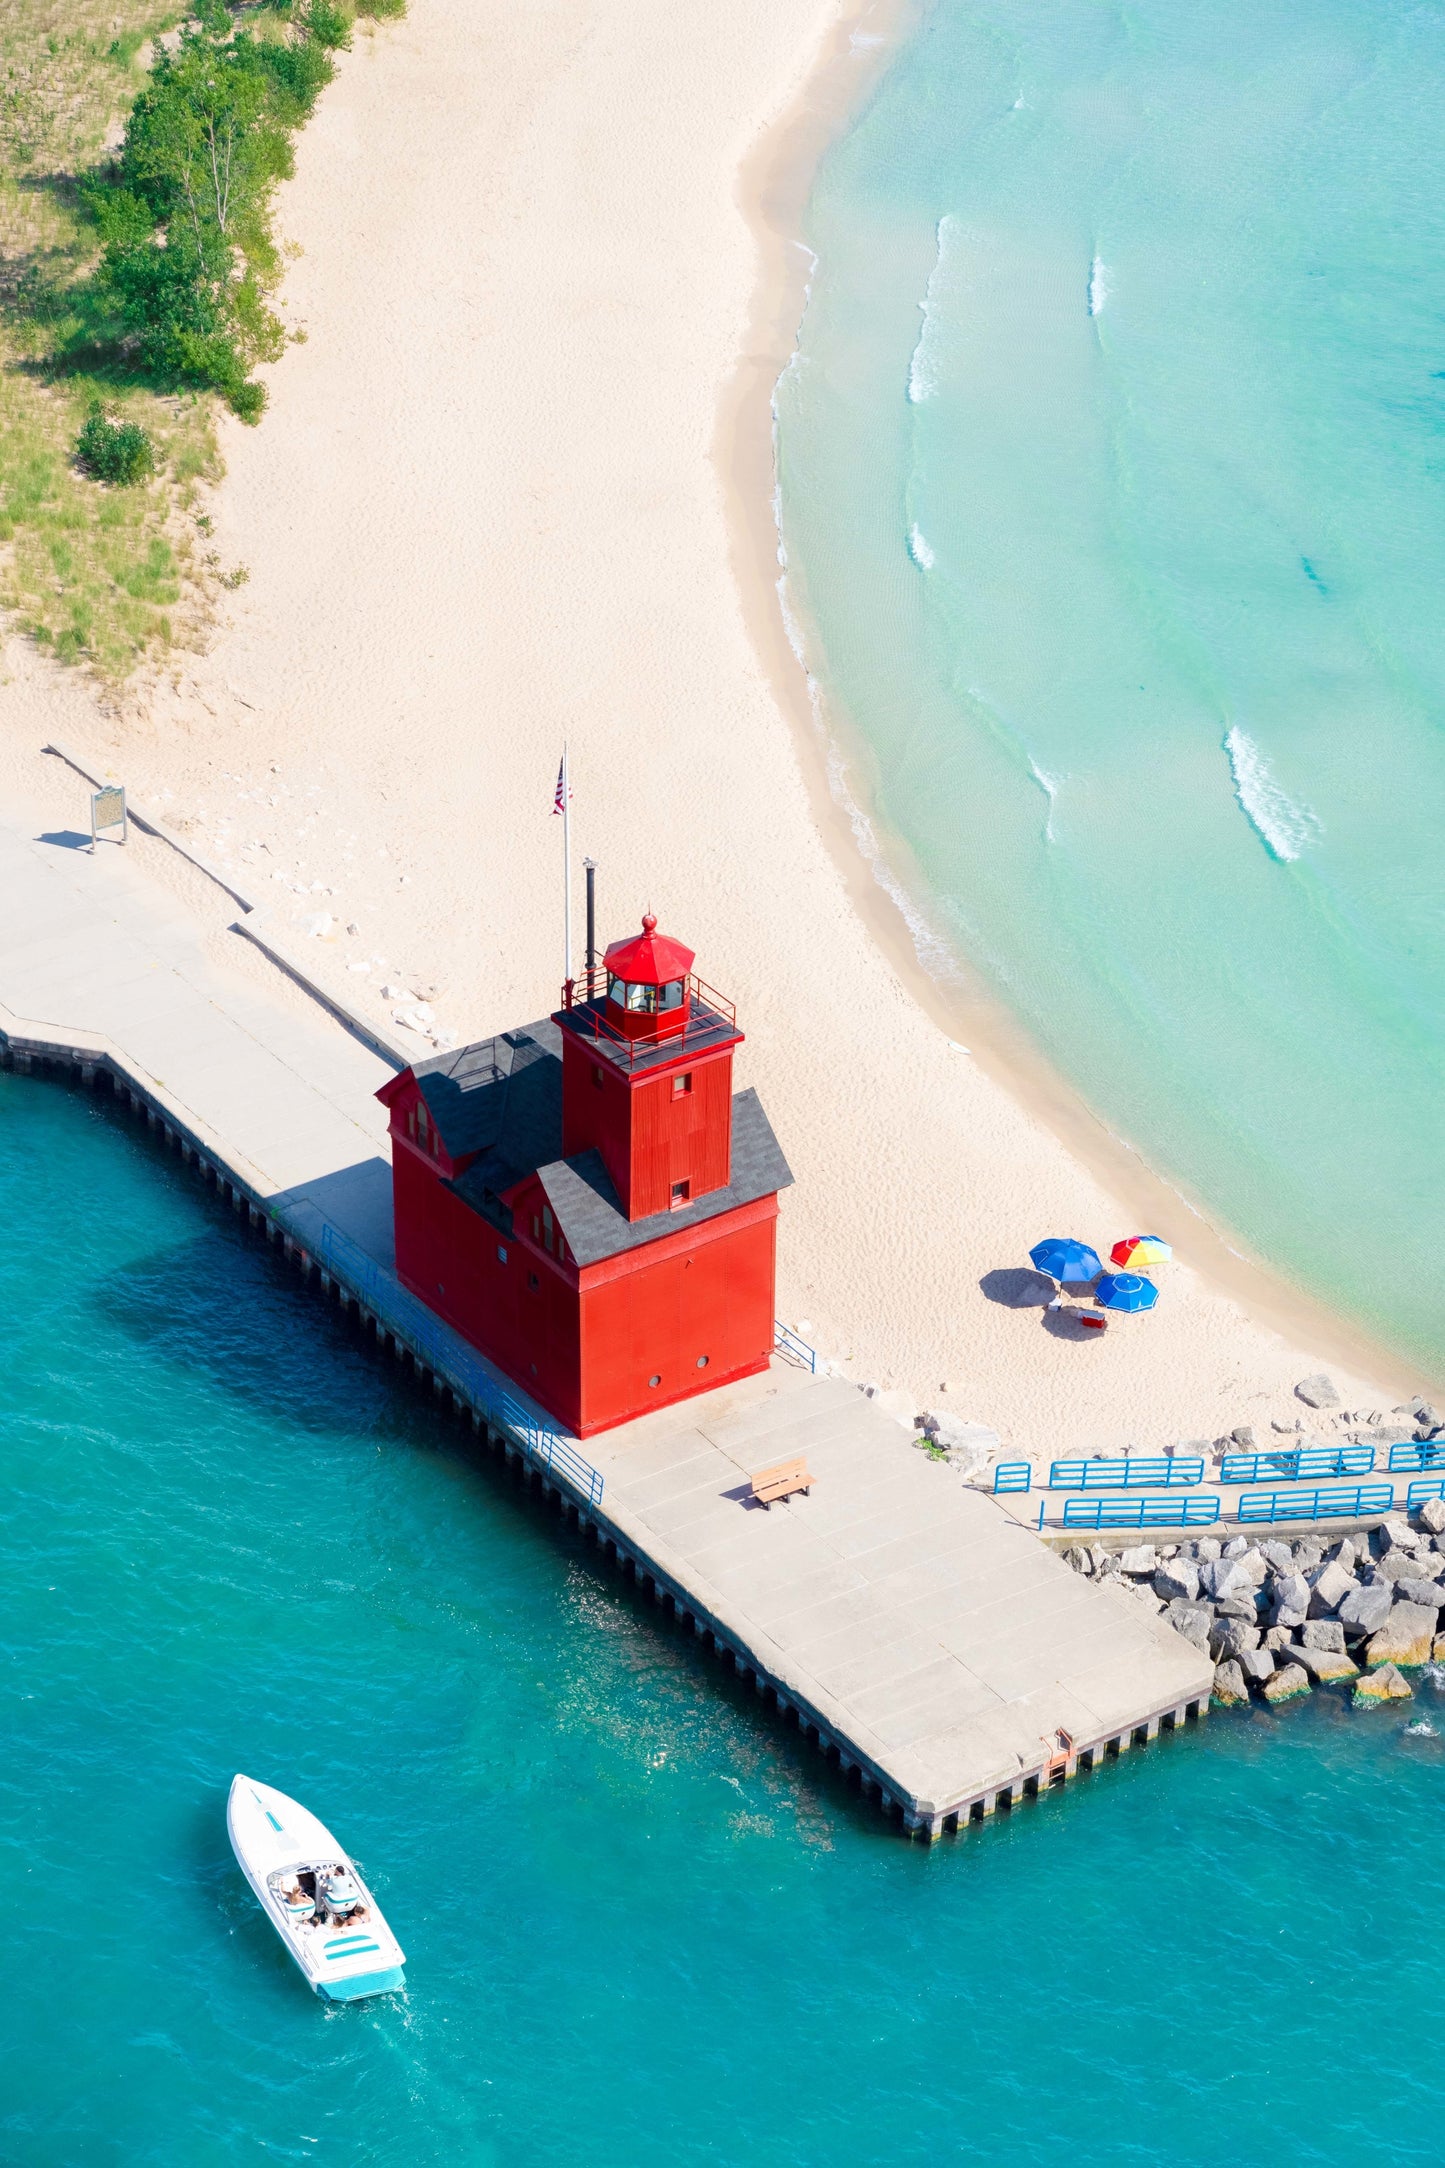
(351, 1949)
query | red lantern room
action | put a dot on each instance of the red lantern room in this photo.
(648, 978)
(587, 1200)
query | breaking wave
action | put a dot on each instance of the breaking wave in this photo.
(1284, 828)
(920, 549)
(1049, 785)
(1098, 286)
(923, 369)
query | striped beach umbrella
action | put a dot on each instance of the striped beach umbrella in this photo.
(1126, 1291)
(1070, 1263)
(1136, 1253)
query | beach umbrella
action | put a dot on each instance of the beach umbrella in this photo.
(1066, 1261)
(1136, 1253)
(1126, 1291)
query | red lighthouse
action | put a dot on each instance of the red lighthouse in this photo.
(588, 1201)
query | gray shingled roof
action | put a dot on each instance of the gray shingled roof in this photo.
(590, 1214)
(501, 1097)
(502, 1100)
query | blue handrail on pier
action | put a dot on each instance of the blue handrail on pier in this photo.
(1135, 1474)
(1012, 1475)
(795, 1350)
(1351, 1503)
(1414, 1457)
(1417, 1494)
(1298, 1464)
(448, 1356)
(1141, 1512)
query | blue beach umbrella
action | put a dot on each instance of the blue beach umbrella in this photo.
(1126, 1291)
(1070, 1263)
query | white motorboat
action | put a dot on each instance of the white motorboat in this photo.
(312, 1894)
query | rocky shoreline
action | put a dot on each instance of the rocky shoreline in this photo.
(1280, 1618)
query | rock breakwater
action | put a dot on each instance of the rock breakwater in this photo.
(1282, 1617)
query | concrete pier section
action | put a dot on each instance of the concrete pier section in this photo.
(910, 1622)
(910, 1626)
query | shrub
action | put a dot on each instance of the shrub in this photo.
(114, 451)
(329, 25)
(248, 401)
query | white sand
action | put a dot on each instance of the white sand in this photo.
(492, 507)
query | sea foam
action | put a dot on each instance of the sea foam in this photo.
(923, 369)
(1283, 827)
(920, 548)
(1098, 286)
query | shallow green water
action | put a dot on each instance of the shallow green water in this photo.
(1111, 465)
(682, 1940)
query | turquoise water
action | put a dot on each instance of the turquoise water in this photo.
(641, 1924)
(1111, 465)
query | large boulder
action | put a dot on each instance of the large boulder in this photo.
(1407, 1637)
(1177, 1580)
(1365, 1610)
(1243, 1606)
(1279, 1555)
(1285, 1685)
(1323, 1633)
(1386, 1684)
(1231, 1637)
(1255, 1564)
(1235, 1547)
(1318, 1391)
(1140, 1560)
(1207, 1548)
(1427, 1594)
(957, 1435)
(1398, 1535)
(1230, 1690)
(1223, 1577)
(1256, 1664)
(1192, 1620)
(1432, 1516)
(1323, 1665)
(1331, 1585)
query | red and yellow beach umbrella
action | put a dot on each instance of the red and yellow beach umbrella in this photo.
(1137, 1253)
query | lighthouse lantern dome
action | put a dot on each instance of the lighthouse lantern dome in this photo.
(647, 977)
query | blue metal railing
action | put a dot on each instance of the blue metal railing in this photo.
(1300, 1464)
(796, 1350)
(1347, 1504)
(1417, 1494)
(1412, 1458)
(1012, 1475)
(1141, 1512)
(453, 1362)
(1137, 1473)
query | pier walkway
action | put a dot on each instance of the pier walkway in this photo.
(930, 1644)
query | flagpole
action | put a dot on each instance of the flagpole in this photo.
(567, 865)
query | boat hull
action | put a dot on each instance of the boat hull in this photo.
(274, 1839)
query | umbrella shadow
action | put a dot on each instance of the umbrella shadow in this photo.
(1017, 1288)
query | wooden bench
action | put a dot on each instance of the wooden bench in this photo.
(781, 1481)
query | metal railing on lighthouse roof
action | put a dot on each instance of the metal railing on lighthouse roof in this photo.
(708, 1018)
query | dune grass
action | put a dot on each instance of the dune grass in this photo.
(92, 572)
(96, 572)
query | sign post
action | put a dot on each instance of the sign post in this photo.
(107, 810)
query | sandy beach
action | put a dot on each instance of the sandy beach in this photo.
(514, 489)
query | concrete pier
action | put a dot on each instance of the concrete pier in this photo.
(910, 1627)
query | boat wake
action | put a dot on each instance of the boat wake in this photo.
(923, 369)
(1284, 828)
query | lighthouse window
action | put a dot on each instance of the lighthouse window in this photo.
(501, 1253)
(702, 1362)
(547, 1224)
(682, 1085)
(681, 1192)
(422, 1127)
(671, 995)
(641, 1000)
(596, 1077)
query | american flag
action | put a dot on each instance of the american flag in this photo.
(564, 788)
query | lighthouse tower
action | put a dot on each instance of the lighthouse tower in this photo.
(588, 1200)
(647, 1076)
